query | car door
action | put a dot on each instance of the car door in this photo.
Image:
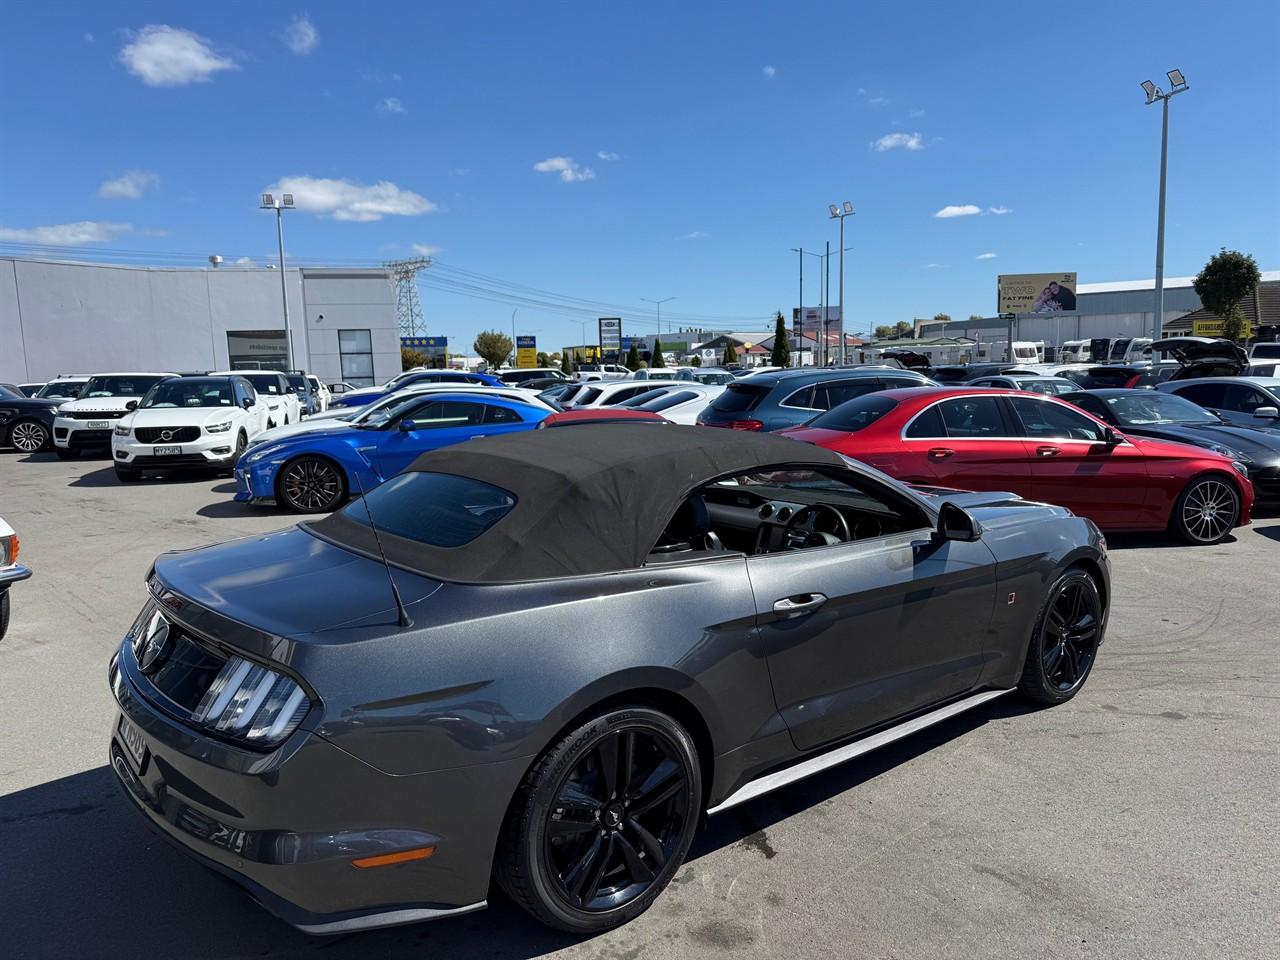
(436, 423)
(1073, 465)
(966, 442)
(1210, 394)
(1240, 400)
(859, 633)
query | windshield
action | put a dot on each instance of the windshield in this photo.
(8, 394)
(1136, 410)
(297, 381)
(61, 389)
(437, 509)
(118, 385)
(379, 417)
(182, 392)
(1048, 386)
(264, 382)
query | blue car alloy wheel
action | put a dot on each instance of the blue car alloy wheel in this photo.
(312, 485)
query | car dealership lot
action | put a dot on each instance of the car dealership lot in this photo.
(1139, 819)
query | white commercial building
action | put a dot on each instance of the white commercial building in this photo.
(62, 317)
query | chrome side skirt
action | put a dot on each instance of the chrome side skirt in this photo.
(841, 754)
(391, 918)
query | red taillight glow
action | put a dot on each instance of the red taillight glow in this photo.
(746, 425)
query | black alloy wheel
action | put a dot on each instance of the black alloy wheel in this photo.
(1206, 511)
(603, 821)
(311, 485)
(29, 436)
(1065, 643)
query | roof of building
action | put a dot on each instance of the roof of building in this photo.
(1123, 286)
(1261, 311)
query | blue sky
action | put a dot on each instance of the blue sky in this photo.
(611, 153)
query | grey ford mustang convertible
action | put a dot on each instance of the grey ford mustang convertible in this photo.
(581, 642)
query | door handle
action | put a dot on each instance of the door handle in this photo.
(799, 605)
(1047, 451)
(941, 453)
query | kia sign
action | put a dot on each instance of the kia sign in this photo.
(526, 352)
(1036, 293)
(610, 334)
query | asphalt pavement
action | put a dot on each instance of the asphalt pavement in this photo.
(1139, 820)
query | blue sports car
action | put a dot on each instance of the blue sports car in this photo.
(318, 471)
(366, 395)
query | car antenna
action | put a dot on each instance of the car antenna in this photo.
(402, 614)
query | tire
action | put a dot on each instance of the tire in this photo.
(1206, 511)
(29, 436)
(65, 453)
(576, 849)
(1064, 643)
(242, 443)
(311, 485)
(128, 474)
(4, 612)
(286, 419)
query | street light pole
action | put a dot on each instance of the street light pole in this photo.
(1177, 84)
(826, 307)
(286, 203)
(842, 211)
(658, 304)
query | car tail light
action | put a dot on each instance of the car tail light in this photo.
(250, 702)
(746, 425)
(8, 550)
(1133, 381)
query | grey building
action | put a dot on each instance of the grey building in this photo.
(62, 317)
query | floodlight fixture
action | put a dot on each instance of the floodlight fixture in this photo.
(268, 200)
(848, 207)
(835, 211)
(1151, 90)
(287, 199)
(1176, 79)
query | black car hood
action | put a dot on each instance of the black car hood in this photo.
(1198, 351)
(31, 404)
(1260, 444)
(908, 358)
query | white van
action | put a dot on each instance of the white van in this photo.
(1024, 351)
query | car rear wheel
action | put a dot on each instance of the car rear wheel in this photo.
(65, 453)
(242, 443)
(29, 436)
(602, 821)
(1206, 511)
(311, 485)
(1065, 642)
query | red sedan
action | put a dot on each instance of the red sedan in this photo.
(1042, 449)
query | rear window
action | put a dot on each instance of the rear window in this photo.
(739, 398)
(669, 400)
(437, 509)
(1266, 351)
(855, 415)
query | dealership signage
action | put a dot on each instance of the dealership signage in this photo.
(1036, 293)
(436, 348)
(526, 352)
(1211, 327)
(610, 334)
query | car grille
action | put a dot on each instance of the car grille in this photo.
(95, 414)
(1266, 484)
(176, 434)
(89, 438)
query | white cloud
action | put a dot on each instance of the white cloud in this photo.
(607, 155)
(878, 101)
(917, 113)
(998, 211)
(129, 186)
(67, 234)
(958, 210)
(164, 56)
(892, 141)
(300, 35)
(769, 72)
(89, 37)
(696, 235)
(346, 200)
(985, 256)
(567, 167)
(935, 266)
(243, 262)
(391, 105)
(425, 249)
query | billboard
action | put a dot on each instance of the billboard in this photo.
(1214, 327)
(610, 334)
(808, 320)
(1036, 293)
(436, 348)
(526, 353)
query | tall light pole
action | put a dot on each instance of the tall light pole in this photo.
(286, 203)
(840, 212)
(658, 304)
(805, 253)
(1177, 84)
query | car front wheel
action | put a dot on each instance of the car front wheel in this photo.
(1206, 511)
(242, 443)
(311, 485)
(29, 436)
(602, 821)
(1065, 642)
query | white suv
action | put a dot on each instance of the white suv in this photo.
(274, 388)
(87, 422)
(189, 422)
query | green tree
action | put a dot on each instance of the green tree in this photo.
(942, 318)
(656, 359)
(543, 359)
(566, 364)
(1227, 279)
(695, 361)
(883, 332)
(975, 317)
(730, 355)
(493, 346)
(902, 328)
(633, 356)
(781, 356)
(412, 358)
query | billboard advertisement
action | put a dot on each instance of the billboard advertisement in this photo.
(610, 334)
(1036, 293)
(808, 320)
(526, 353)
(436, 348)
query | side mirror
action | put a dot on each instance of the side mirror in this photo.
(407, 426)
(954, 523)
(247, 403)
(1271, 412)
(133, 405)
(1111, 438)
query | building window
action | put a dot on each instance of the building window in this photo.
(356, 350)
(257, 350)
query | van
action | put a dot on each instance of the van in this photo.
(1073, 351)
(1024, 351)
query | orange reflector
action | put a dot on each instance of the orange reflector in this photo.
(387, 859)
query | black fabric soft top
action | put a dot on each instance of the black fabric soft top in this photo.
(592, 499)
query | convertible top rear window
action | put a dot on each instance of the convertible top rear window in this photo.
(433, 508)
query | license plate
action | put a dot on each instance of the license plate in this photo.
(99, 424)
(133, 741)
(166, 451)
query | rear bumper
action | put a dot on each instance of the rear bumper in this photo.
(13, 574)
(287, 825)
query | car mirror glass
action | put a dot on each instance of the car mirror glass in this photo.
(1111, 438)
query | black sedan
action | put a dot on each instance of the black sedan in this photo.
(1166, 416)
(26, 423)
(542, 657)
